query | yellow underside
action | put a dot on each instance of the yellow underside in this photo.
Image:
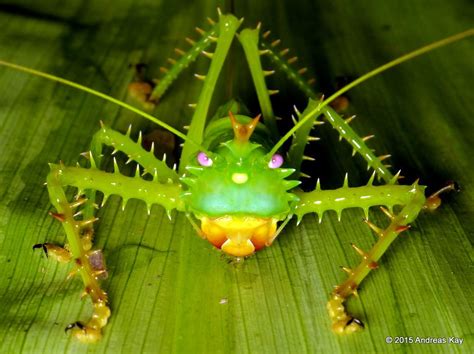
(239, 235)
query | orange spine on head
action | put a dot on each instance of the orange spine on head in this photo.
(243, 132)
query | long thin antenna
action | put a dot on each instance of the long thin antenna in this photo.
(391, 64)
(98, 94)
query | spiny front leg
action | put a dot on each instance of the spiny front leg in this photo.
(135, 152)
(59, 254)
(412, 200)
(80, 253)
(89, 264)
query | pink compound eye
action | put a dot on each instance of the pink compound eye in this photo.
(276, 161)
(204, 160)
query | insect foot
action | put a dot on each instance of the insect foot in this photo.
(434, 201)
(141, 91)
(91, 332)
(141, 88)
(92, 270)
(342, 323)
(88, 264)
(60, 254)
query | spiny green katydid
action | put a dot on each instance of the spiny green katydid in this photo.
(232, 183)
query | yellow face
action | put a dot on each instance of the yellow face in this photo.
(239, 236)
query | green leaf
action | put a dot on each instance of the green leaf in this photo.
(171, 291)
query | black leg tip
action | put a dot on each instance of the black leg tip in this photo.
(357, 321)
(43, 246)
(456, 186)
(38, 245)
(73, 325)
